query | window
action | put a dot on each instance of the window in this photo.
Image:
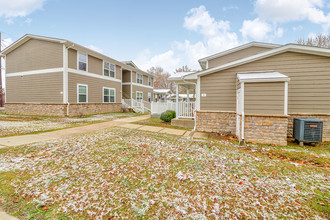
(149, 81)
(109, 95)
(82, 93)
(109, 69)
(82, 61)
(149, 96)
(139, 78)
(139, 96)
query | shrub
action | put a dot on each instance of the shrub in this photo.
(167, 116)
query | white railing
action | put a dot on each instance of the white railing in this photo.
(186, 110)
(158, 108)
(137, 106)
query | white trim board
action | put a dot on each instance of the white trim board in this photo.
(34, 72)
(137, 84)
(80, 72)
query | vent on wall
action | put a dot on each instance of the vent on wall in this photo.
(307, 130)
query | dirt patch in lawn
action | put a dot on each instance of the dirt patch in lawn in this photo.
(122, 173)
(159, 123)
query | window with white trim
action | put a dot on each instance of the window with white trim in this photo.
(109, 69)
(82, 61)
(139, 96)
(139, 78)
(149, 81)
(109, 95)
(82, 93)
(149, 96)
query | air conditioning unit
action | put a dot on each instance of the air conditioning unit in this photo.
(308, 130)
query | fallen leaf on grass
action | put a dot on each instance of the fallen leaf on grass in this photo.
(44, 208)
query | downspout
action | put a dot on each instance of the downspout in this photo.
(66, 78)
(243, 115)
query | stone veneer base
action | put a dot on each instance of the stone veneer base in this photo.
(54, 109)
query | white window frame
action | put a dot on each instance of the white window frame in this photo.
(149, 81)
(149, 96)
(137, 78)
(78, 52)
(114, 72)
(78, 93)
(136, 95)
(109, 95)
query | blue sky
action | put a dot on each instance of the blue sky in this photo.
(164, 33)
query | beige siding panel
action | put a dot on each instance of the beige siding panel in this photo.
(236, 56)
(35, 55)
(126, 76)
(144, 90)
(39, 88)
(126, 91)
(264, 98)
(95, 88)
(95, 65)
(72, 57)
(309, 76)
(133, 76)
(118, 72)
(145, 80)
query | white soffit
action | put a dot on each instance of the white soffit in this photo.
(262, 77)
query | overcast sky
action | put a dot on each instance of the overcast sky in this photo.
(167, 33)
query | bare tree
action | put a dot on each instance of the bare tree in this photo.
(320, 40)
(183, 69)
(161, 79)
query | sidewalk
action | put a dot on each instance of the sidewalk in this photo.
(123, 122)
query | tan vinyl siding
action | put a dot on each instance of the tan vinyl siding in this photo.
(144, 90)
(72, 57)
(95, 88)
(126, 91)
(309, 88)
(38, 88)
(236, 56)
(126, 76)
(35, 55)
(118, 72)
(133, 77)
(264, 98)
(145, 80)
(95, 65)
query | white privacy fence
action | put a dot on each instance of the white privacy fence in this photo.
(185, 109)
(137, 106)
(158, 108)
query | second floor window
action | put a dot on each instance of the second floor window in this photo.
(109, 69)
(82, 61)
(149, 81)
(139, 78)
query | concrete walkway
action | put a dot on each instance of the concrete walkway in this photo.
(123, 123)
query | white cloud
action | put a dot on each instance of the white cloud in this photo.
(293, 10)
(298, 28)
(19, 8)
(95, 48)
(9, 21)
(231, 7)
(256, 29)
(166, 60)
(6, 42)
(216, 37)
(28, 21)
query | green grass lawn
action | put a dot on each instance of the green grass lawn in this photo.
(122, 173)
(159, 123)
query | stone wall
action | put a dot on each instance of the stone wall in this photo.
(44, 109)
(93, 108)
(216, 121)
(48, 109)
(266, 129)
(324, 117)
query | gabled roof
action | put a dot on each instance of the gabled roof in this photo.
(130, 63)
(179, 76)
(203, 61)
(67, 43)
(285, 48)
